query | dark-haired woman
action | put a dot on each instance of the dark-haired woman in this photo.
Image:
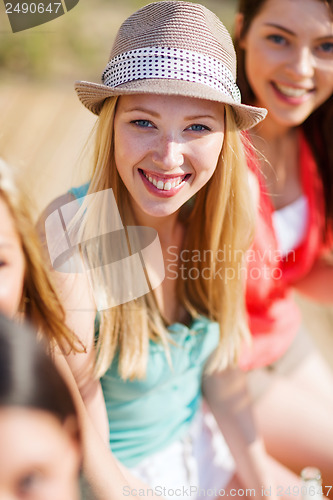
(285, 63)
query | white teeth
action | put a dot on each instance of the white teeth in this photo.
(161, 185)
(291, 91)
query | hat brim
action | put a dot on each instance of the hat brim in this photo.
(93, 95)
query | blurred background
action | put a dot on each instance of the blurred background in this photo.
(44, 130)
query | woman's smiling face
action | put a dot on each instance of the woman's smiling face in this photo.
(166, 149)
(289, 58)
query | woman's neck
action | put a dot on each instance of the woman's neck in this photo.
(167, 227)
(272, 131)
(279, 162)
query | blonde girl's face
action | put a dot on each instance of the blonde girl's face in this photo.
(39, 459)
(166, 149)
(289, 58)
(12, 264)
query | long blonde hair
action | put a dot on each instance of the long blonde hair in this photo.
(39, 304)
(221, 220)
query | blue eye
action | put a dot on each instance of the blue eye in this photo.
(142, 123)
(327, 47)
(277, 39)
(196, 127)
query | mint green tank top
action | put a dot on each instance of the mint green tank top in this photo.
(147, 415)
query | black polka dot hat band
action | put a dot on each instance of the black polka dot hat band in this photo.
(172, 48)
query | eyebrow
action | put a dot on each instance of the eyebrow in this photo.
(273, 25)
(198, 117)
(286, 30)
(142, 110)
(157, 115)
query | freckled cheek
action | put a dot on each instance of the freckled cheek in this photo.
(206, 160)
(213, 147)
(130, 150)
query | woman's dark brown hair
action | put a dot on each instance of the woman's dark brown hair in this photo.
(317, 127)
(28, 377)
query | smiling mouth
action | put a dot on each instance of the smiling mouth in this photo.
(288, 91)
(166, 184)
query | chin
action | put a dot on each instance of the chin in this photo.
(159, 214)
(292, 119)
(161, 210)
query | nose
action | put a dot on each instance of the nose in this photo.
(168, 153)
(303, 64)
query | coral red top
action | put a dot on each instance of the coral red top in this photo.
(274, 317)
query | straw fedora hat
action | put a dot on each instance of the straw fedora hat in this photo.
(172, 48)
